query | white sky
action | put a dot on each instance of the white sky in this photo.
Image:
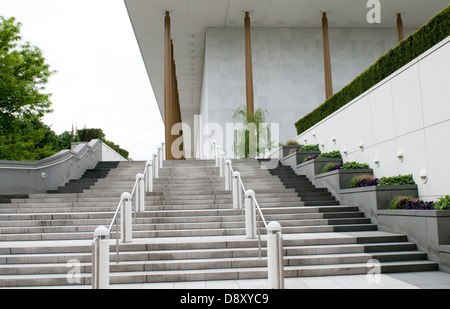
(101, 80)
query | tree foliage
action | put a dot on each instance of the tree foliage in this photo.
(23, 102)
(23, 74)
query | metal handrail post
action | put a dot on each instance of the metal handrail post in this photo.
(140, 193)
(213, 150)
(275, 260)
(100, 258)
(235, 190)
(222, 163)
(149, 177)
(126, 231)
(160, 157)
(250, 215)
(217, 155)
(155, 166)
(228, 175)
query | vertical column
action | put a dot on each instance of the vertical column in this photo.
(400, 27)
(326, 57)
(248, 65)
(168, 86)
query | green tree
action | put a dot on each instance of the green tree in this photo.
(23, 75)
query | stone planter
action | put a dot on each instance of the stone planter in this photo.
(374, 198)
(313, 167)
(296, 158)
(337, 180)
(429, 229)
(287, 149)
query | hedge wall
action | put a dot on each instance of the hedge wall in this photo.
(437, 29)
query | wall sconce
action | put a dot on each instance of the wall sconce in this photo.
(322, 144)
(314, 134)
(43, 175)
(334, 139)
(424, 176)
(345, 151)
(361, 146)
(376, 161)
(306, 141)
(400, 155)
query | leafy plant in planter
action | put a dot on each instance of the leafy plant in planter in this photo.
(310, 148)
(443, 203)
(409, 202)
(363, 181)
(355, 166)
(397, 180)
(344, 166)
(331, 155)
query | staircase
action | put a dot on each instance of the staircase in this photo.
(190, 232)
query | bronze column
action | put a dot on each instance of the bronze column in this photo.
(400, 27)
(248, 66)
(168, 87)
(326, 57)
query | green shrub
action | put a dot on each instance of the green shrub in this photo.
(443, 203)
(397, 180)
(331, 167)
(310, 148)
(355, 166)
(437, 29)
(331, 155)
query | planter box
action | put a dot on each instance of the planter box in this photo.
(429, 229)
(337, 180)
(374, 198)
(313, 167)
(287, 149)
(296, 158)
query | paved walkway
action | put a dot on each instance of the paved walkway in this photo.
(413, 280)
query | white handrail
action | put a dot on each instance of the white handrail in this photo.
(125, 198)
(222, 161)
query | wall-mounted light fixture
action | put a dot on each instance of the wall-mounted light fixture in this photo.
(361, 146)
(322, 144)
(345, 151)
(376, 161)
(400, 155)
(424, 176)
(334, 139)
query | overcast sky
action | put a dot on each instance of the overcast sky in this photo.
(101, 80)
